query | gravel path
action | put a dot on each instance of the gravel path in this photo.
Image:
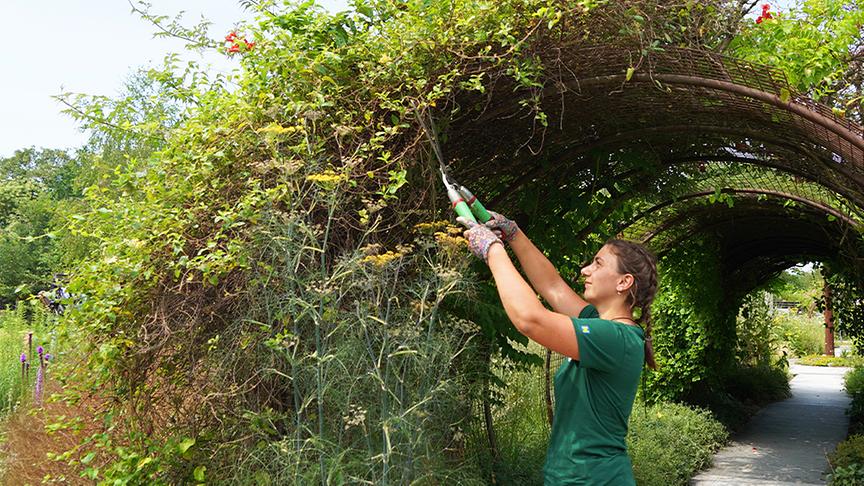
(786, 442)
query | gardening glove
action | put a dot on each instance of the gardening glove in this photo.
(480, 238)
(505, 228)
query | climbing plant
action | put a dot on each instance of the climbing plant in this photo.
(818, 45)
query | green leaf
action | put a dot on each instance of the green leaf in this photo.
(785, 95)
(143, 462)
(185, 444)
(198, 474)
(89, 457)
(630, 72)
(91, 473)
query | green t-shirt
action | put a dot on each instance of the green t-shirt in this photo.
(593, 400)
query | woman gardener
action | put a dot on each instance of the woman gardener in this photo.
(605, 347)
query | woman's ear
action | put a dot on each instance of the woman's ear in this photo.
(625, 282)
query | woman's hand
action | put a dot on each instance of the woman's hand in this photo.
(480, 238)
(506, 228)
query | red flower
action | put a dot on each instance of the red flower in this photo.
(766, 14)
(234, 41)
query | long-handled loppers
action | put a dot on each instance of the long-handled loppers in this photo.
(465, 204)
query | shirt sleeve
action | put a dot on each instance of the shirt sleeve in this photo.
(589, 312)
(600, 342)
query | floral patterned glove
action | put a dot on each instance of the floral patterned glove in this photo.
(500, 224)
(480, 238)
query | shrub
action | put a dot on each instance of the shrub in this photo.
(822, 360)
(803, 335)
(851, 475)
(758, 384)
(848, 452)
(854, 381)
(669, 442)
(856, 415)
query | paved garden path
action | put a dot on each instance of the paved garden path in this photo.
(786, 442)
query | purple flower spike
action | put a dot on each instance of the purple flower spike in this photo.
(23, 357)
(40, 350)
(40, 380)
(48, 357)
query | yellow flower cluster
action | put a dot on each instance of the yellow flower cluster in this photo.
(451, 242)
(385, 258)
(381, 260)
(327, 177)
(431, 227)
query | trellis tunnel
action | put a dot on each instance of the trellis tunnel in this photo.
(702, 125)
(682, 128)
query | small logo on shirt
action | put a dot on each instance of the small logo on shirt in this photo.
(586, 330)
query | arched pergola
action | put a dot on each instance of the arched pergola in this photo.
(727, 147)
(712, 125)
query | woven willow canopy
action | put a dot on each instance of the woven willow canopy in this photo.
(710, 125)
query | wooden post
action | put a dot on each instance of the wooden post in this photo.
(829, 321)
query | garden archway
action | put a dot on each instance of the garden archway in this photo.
(692, 141)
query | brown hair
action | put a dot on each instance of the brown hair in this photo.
(636, 260)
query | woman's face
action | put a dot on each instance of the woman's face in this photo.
(602, 280)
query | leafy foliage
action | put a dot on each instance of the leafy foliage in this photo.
(757, 341)
(694, 325)
(271, 296)
(818, 44)
(848, 452)
(802, 336)
(850, 475)
(669, 442)
(37, 189)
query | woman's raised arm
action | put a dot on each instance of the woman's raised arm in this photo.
(545, 278)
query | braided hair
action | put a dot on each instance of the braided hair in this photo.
(634, 259)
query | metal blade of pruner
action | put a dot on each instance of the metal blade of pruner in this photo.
(454, 189)
(432, 135)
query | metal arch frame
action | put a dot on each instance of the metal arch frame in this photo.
(703, 228)
(712, 129)
(799, 109)
(672, 222)
(696, 195)
(707, 158)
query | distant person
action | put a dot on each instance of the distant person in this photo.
(55, 302)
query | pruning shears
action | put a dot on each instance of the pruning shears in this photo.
(465, 204)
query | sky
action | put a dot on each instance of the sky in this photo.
(92, 46)
(88, 46)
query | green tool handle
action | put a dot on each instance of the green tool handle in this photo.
(463, 210)
(459, 204)
(479, 211)
(477, 208)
